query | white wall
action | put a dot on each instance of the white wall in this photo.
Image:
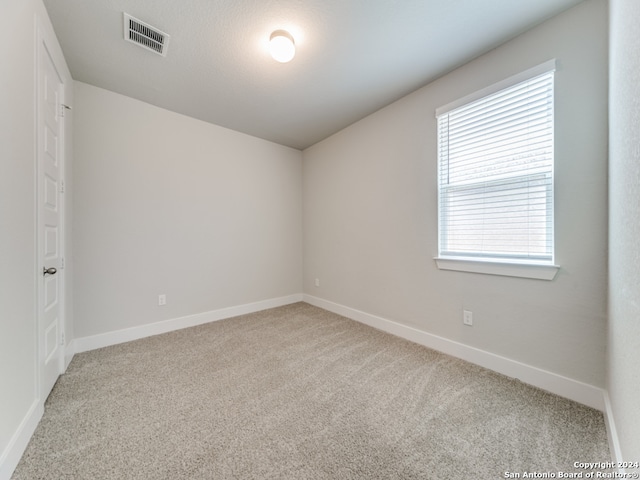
(624, 226)
(165, 204)
(20, 405)
(370, 225)
(17, 247)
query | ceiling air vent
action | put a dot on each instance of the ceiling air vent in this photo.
(145, 35)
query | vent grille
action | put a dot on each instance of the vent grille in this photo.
(144, 35)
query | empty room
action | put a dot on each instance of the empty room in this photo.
(319, 239)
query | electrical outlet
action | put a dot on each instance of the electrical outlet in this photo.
(317, 282)
(467, 317)
(162, 299)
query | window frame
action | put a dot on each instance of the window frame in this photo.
(508, 266)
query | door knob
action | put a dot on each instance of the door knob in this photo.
(50, 270)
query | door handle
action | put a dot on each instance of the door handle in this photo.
(50, 270)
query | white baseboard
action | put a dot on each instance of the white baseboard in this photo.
(612, 433)
(69, 352)
(17, 445)
(93, 342)
(563, 386)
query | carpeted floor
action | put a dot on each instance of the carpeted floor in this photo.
(299, 393)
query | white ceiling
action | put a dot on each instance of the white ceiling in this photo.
(353, 56)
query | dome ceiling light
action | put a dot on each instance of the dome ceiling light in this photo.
(282, 46)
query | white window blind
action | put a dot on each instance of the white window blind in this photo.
(495, 179)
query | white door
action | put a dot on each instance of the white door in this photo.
(50, 232)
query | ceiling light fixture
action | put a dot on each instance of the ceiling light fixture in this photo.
(282, 46)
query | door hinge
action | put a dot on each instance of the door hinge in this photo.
(62, 263)
(64, 107)
(61, 186)
(62, 338)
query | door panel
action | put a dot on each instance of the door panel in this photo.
(51, 145)
(49, 127)
(51, 342)
(50, 244)
(50, 194)
(50, 295)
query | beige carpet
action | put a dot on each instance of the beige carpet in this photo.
(299, 393)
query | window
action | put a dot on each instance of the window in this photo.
(495, 174)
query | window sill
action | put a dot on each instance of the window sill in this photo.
(509, 269)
